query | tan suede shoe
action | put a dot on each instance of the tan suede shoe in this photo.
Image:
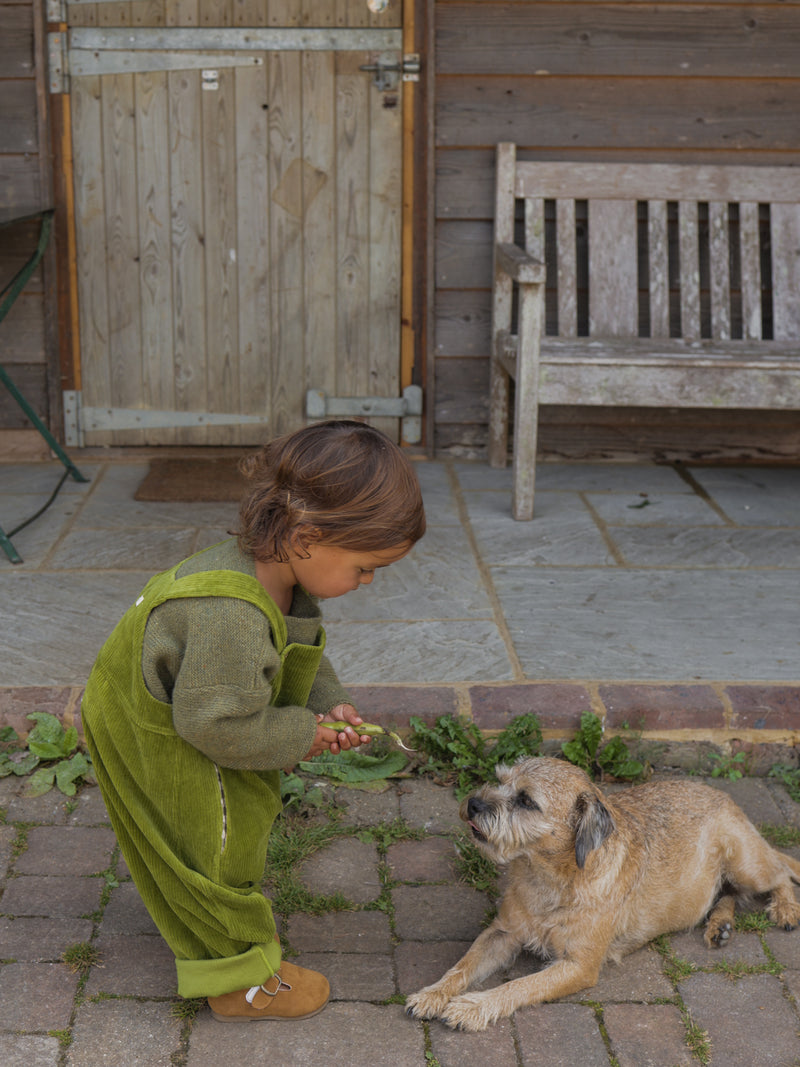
(292, 993)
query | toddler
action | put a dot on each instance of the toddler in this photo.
(216, 678)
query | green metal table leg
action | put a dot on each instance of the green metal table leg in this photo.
(7, 298)
(40, 426)
(8, 547)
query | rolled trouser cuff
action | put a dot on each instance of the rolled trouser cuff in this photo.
(213, 978)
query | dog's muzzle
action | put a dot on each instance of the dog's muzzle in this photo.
(475, 808)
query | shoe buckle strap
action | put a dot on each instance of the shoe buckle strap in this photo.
(281, 987)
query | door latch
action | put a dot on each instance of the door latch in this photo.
(387, 70)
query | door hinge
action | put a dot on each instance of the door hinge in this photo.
(407, 408)
(57, 62)
(80, 419)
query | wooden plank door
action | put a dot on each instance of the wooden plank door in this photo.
(238, 227)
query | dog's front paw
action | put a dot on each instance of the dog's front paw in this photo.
(428, 1003)
(472, 1012)
(784, 912)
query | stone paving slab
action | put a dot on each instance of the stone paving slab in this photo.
(28, 1050)
(493, 1048)
(647, 1035)
(355, 1034)
(745, 1020)
(108, 1033)
(562, 1035)
(664, 625)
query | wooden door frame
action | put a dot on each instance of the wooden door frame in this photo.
(416, 313)
(417, 347)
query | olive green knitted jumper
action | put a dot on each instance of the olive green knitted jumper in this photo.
(194, 831)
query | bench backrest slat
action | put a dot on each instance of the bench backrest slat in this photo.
(567, 267)
(785, 240)
(702, 228)
(657, 181)
(719, 254)
(751, 271)
(658, 268)
(612, 269)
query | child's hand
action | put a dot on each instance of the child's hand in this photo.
(333, 741)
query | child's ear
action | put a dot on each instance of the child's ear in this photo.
(302, 537)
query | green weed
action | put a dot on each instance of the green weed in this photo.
(780, 836)
(613, 759)
(474, 869)
(458, 752)
(80, 957)
(730, 767)
(186, 1008)
(790, 777)
(50, 756)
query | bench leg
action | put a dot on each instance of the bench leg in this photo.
(526, 407)
(498, 414)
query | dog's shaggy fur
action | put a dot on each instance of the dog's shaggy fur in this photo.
(592, 878)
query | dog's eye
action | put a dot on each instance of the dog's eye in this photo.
(524, 800)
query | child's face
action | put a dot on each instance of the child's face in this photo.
(329, 571)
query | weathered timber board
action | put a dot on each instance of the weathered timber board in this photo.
(16, 41)
(602, 39)
(721, 113)
(18, 130)
(465, 176)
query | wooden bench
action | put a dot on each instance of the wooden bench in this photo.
(662, 286)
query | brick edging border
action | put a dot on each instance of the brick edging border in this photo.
(685, 710)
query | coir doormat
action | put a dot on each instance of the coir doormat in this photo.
(193, 480)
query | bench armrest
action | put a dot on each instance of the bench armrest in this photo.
(518, 264)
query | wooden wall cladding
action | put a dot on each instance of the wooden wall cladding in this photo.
(23, 332)
(660, 82)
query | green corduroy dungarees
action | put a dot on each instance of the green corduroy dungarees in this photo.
(194, 834)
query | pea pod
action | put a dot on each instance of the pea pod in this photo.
(371, 729)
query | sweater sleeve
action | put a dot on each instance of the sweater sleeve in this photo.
(213, 659)
(327, 691)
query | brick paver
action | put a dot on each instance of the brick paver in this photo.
(409, 919)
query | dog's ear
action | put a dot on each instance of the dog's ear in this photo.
(593, 824)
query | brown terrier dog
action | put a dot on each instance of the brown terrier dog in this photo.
(591, 878)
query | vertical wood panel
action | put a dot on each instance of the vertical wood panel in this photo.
(319, 219)
(286, 254)
(318, 13)
(253, 226)
(148, 13)
(613, 310)
(534, 227)
(719, 260)
(384, 249)
(284, 12)
(91, 241)
(153, 212)
(689, 270)
(658, 267)
(751, 271)
(353, 282)
(188, 241)
(785, 240)
(122, 246)
(219, 201)
(183, 13)
(567, 269)
(250, 13)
